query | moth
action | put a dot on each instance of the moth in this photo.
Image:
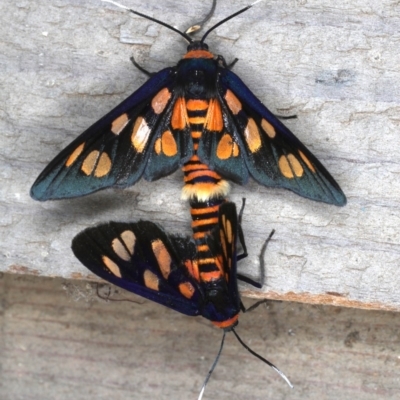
(167, 269)
(198, 116)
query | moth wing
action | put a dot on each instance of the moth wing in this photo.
(115, 151)
(141, 258)
(254, 142)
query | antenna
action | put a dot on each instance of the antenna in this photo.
(249, 350)
(187, 37)
(262, 359)
(227, 19)
(212, 368)
(199, 25)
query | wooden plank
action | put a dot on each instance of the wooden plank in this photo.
(65, 64)
(59, 341)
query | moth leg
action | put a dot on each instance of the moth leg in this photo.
(240, 233)
(140, 68)
(221, 61)
(253, 307)
(294, 116)
(232, 64)
(262, 264)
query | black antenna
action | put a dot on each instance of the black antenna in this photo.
(212, 368)
(227, 19)
(262, 358)
(187, 37)
(199, 25)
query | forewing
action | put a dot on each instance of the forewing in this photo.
(253, 139)
(115, 151)
(141, 258)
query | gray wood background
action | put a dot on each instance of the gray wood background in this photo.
(64, 64)
(61, 342)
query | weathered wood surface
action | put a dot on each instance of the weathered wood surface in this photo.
(68, 344)
(64, 64)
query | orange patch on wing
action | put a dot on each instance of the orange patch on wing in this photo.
(124, 245)
(179, 119)
(120, 249)
(119, 124)
(228, 323)
(157, 146)
(140, 134)
(268, 128)
(227, 147)
(186, 289)
(168, 144)
(192, 268)
(228, 231)
(163, 257)
(290, 166)
(111, 266)
(160, 100)
(223, 243)
(197, 105)
(307, 161)
(151, 280)
(90, 162)
(74, 155)
(103, 166)
(214, 121)
(252, 135)
(198, 54)
(233, 102)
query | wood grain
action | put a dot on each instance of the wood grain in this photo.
(60, 342)
(337, 66)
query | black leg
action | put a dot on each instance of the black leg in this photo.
(286, 116)
(240, 233)
(232, 64)
(140, 68)
(250, 281)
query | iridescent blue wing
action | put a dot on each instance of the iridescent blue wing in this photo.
(133, 140)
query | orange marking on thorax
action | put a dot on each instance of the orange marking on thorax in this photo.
(228, 323)
(198, 54)
(197, 105)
